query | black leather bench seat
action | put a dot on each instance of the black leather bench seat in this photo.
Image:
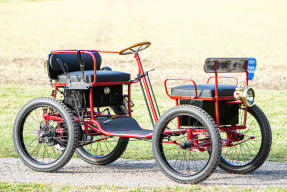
(101, 76)
(203, 90)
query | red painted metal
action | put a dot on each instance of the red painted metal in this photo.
(200, 147)
(245, 113)
(94, 83)
(225, 98)
(55, 92)
(141, 71)
(232, 136)
(216, 94)
(114, 83)
(95, 126)
(178, 120)
(246, 72)
(119, 134)
(91, 103)
(102, 51)
(72, 50)
(189, 134)
(173, 97)
(223, 128)
(129, 101)
(91, 125)
(100, 83)
(59, 84)
(47, 117)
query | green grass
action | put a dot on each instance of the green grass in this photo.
(13, 97)
(48, 187)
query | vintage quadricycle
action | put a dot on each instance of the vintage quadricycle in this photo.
(212, 124)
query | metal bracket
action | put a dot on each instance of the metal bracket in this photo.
(78, 86)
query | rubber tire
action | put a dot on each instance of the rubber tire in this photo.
(264, 149)
(72, 128)
(205, 118)
(114, 155)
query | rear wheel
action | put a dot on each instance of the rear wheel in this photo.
(106, 149)
(186, 144)
(45, 135)
(251, 151)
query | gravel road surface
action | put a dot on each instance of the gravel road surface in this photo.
(125, 172)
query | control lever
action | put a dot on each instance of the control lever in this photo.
(62, 65)
(82, 67)
(64, 68)
(139, 76)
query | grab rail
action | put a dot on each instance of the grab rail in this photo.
(180, 97)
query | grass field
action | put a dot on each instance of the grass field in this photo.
(45, 187)
(183, 33)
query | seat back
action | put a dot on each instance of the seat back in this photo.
(228, 65)
(72, 62)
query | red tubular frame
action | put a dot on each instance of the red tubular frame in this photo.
(186, 97)
(216, 94)
(141, 72)
(92, 126)
(89, 123)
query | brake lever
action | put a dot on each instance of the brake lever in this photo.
(82, 67)
(64, 68)
(139, 76)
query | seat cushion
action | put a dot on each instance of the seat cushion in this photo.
(203, 90)
(102, 76)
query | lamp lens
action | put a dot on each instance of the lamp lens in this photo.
(250, 96)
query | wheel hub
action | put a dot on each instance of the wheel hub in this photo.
(240, 136)
(47, 135)
(186, 144)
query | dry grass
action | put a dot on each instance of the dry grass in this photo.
(183, 33)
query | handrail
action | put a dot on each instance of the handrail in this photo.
(170, 96)
(90, 50)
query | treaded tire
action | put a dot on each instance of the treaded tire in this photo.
(71, 126)
(215, 141)
(113, 155)
(264, 150)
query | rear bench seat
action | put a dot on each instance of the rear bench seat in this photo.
(203, 90)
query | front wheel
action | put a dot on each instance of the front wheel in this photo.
(249, 153)
(45, 134)
(186, 144)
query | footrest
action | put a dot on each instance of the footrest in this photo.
(123, 126)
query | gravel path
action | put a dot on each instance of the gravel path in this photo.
(125, 172)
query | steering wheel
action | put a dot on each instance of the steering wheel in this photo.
(135, 48)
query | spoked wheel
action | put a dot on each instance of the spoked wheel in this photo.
(186, 144)
(105, 149)
(253, 147)
(45, 134)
